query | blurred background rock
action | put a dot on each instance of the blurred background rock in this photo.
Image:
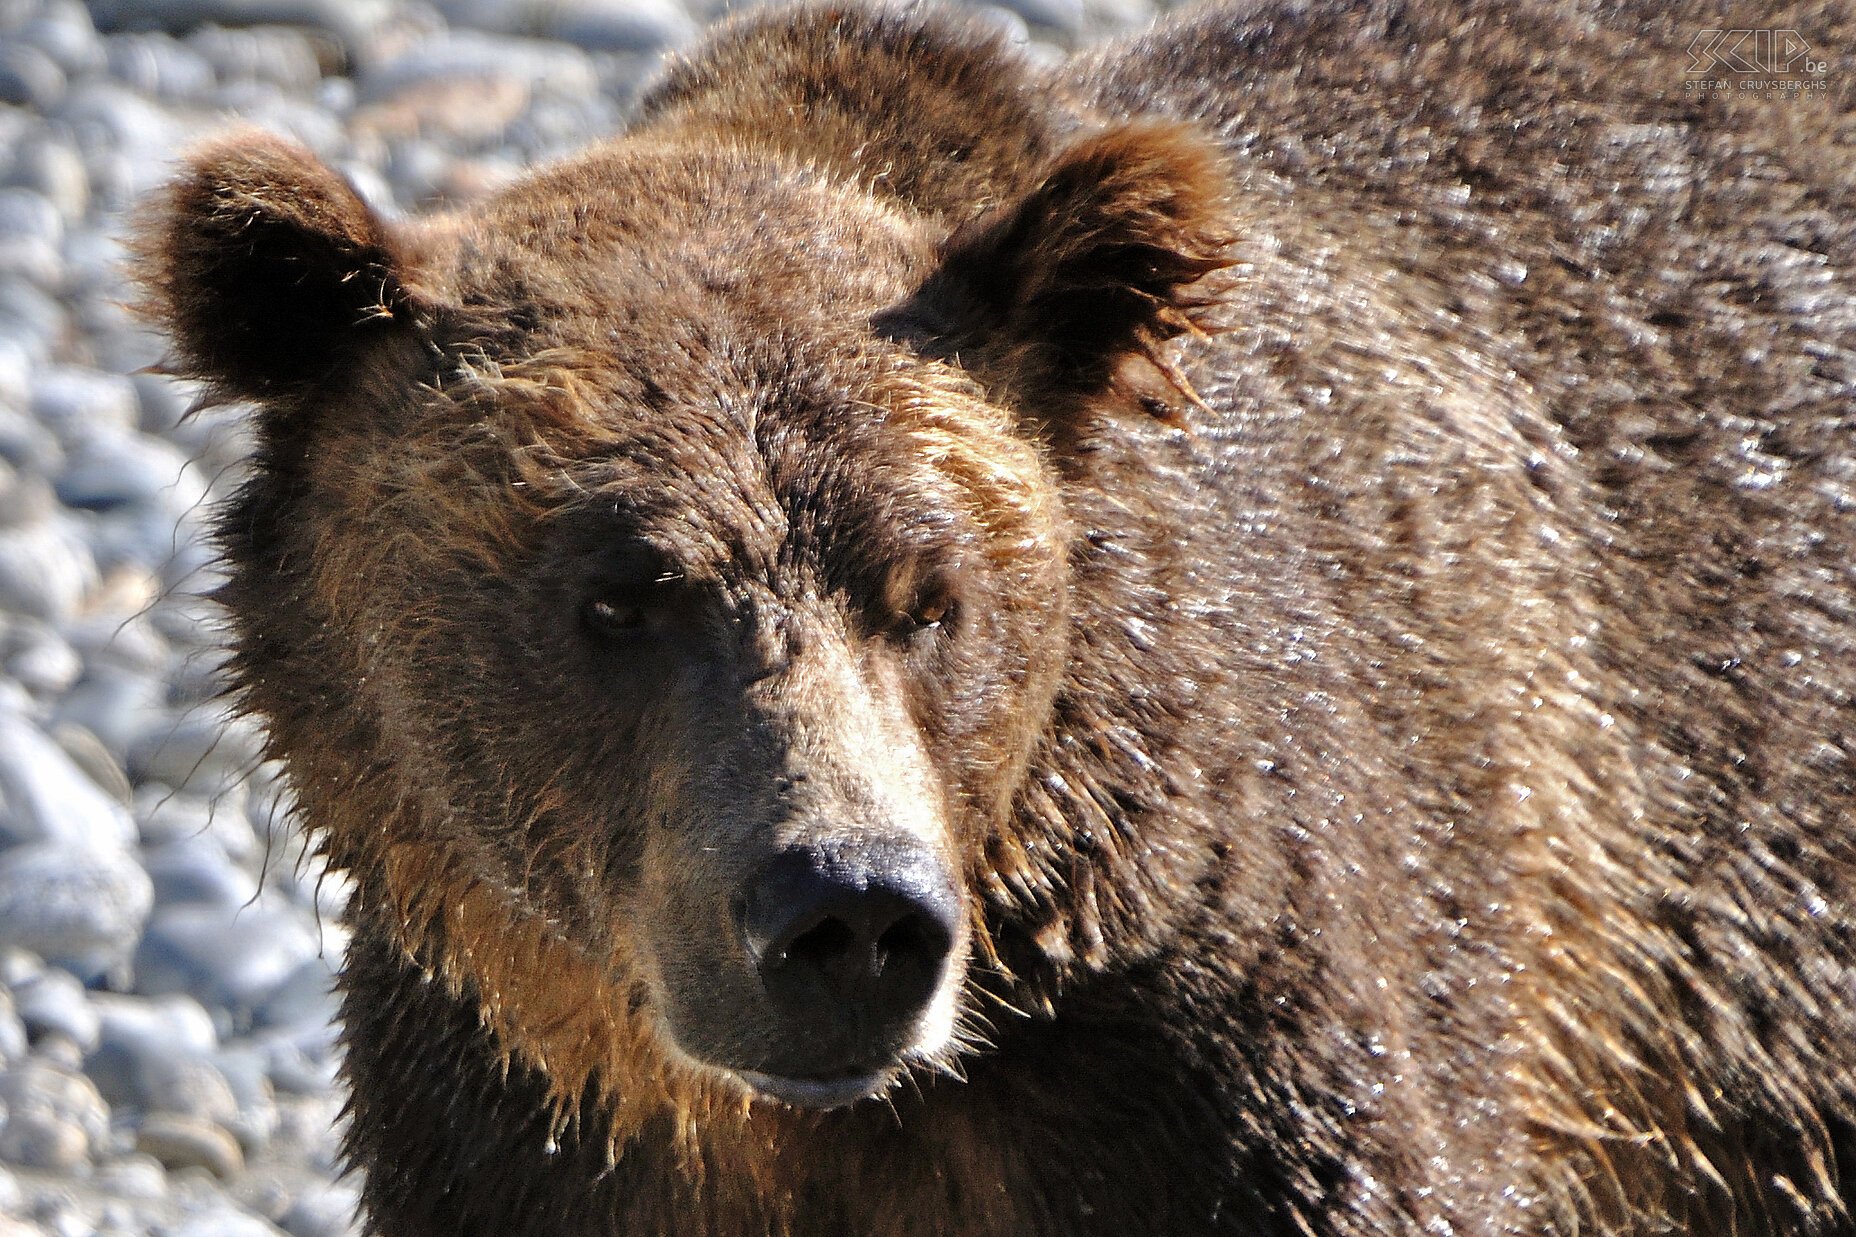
(167, 1063)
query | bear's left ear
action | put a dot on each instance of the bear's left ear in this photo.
(269, 273)
(1048, 295)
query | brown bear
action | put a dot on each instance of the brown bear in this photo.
(1251, 633)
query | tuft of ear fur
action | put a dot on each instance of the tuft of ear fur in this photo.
(267, 270)
(1051, 293)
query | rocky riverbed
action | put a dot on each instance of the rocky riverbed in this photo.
(167, 1063)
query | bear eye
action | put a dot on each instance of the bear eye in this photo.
(613, 618)
(629, 596)
(932, 610)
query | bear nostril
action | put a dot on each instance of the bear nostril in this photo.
(912, 939)
(827, 948)
(860, 934)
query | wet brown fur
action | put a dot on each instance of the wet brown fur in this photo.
(1399, 758)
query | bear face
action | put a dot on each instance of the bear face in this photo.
(659, 518)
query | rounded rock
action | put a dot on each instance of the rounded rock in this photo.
(31, 319)
(25, 444)
(257, 1118)
(137, 1035)
(307, 995)
(179, 1141)
(48, 166)
(205, 750)
(75, 401)
(54, 1003)
(324, 1210)
(1064, 16)
(87, 752)
(49, 798)
(42, 1141)
(235, 959)
(274, 54)
(80, 908)
(197, 870)
(46, 568)
(63, 31)
(29, 77)
(31, 236)
(190, 1086)
(116, 703)
(37, 1086)
(13, 1039)
(39, 660)
(160, 67)
(134, 1176)
(622, 25)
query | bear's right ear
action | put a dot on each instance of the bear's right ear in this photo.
(1100, 262)
(268, 271)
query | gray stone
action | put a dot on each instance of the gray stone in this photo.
(197, 869)
(16, 364)
(159, 1054)
(49, 165)
(205, 750)
(29, 77)
(597, 25)
(49, 798)
(31, 237)
(13, 1039)
(466, 54)
(234, 959)
(80, 908)
(115, 703)
(1064, 16)
(42, 1141)
(189, 1086)
(63, 30)
(39, 660)
(22, 497)
(223, 1221)
(117, 629)
(166, 817)
(99, 764)
(138, 1029)
(31, 319)
(37, 1087)
(46, 568)
(135, 1176)
(108, 471)
(54, 1003)
(77, 402)
(324, 1210)
(274, 54)
(257, 1119)
(306, 996)
(181, 1141)
(164, 404)
(301, 1062)
(139, 538)
(160, 67)
(19, 967)
(106, 115)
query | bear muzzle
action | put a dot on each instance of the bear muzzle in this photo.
(851, 945)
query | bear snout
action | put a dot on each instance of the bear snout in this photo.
(869, 932)
(851, 946)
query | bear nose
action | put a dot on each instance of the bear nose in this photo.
(868, 930)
